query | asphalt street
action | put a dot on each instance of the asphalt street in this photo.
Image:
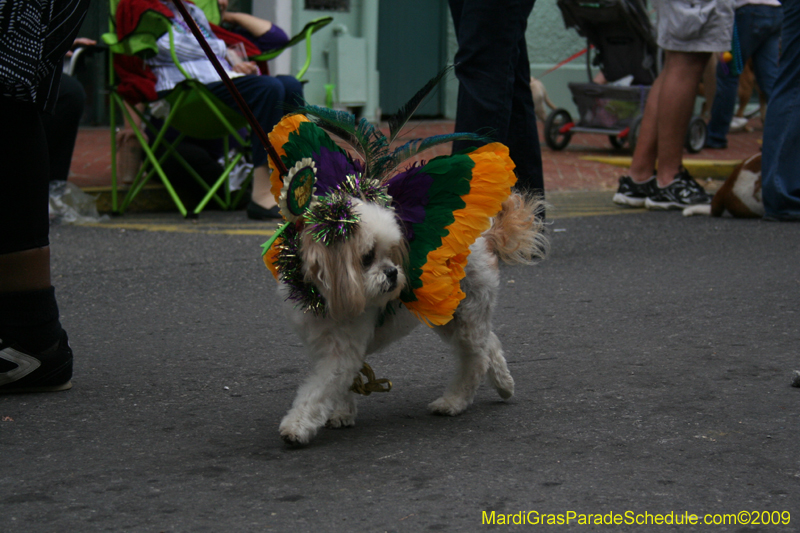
(653, 357)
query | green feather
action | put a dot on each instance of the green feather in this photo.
(416, 146)
(305, 142)
(451, 180)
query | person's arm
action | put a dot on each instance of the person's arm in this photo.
(256, 26)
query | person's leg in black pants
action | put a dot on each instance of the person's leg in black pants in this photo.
(492, 68)
(61, 128)
(34, 351)
(266, 97)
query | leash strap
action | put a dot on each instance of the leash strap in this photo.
(248, 114)
(567, 60)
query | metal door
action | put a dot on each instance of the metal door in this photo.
(412, 49)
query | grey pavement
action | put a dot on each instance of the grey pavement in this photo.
(652, 353)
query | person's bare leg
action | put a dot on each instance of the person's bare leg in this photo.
(644, 155)
(261, 188)
(709, 85)
(25, 271)
(682, 72)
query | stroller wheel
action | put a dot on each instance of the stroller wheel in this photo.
(557, 129)
(696, 135)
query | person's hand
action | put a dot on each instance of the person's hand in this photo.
(81, 41)
(246, 67)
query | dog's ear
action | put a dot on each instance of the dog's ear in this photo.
(346, 298)
(399, 255)
(336, 271)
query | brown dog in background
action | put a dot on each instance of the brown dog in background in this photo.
(540, 98)
(747, 84)
(707, 88)
(740, 195)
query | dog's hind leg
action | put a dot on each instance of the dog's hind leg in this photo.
(472, 362)
(498, 369)
(478, 352)
(477, 348)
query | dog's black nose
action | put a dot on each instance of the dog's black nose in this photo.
(391, 274)
(391, 278)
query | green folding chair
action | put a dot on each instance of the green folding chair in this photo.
(193, 111)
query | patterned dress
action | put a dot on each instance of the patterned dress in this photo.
(34, 37)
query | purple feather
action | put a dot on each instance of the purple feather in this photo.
(409, 192)
(332, 169)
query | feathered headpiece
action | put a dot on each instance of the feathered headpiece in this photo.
(443, 204)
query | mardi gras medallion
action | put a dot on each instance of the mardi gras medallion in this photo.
(297, 194)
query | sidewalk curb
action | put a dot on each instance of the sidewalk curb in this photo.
(698, 168)
(152, 199)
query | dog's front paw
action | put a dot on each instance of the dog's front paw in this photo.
(296, 434)
(341, 420)
(448, 406)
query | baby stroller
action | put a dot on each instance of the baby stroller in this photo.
(624, 47)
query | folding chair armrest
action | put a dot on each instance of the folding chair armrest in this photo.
(142, 41)
(70, 62)
(303, 35)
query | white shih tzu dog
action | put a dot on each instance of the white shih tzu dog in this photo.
(363, 276)
(370, 249)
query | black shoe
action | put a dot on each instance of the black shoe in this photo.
(715, 145)
(47, 371)
(632, 193)
(684, 191)
(256, 212)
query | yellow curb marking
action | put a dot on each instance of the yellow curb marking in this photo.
(591, 211)
(706, 168)
(180, 228)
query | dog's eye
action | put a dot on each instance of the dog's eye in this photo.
(368, 259)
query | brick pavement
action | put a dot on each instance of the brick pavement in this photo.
(563, 171)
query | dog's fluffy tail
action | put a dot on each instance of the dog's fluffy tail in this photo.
(517, 232)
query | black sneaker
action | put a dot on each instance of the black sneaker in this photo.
(684, 191)
(632, 193)
(47, 371)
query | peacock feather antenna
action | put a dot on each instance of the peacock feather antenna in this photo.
(410, 149)
(403, 114)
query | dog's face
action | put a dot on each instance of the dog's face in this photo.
(365, 270)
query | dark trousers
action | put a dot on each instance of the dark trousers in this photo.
(61, 128)
(24, 219)
(269, 99)
(494, 95)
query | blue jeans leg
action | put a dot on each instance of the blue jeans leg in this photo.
(780, 155)
(758, 28)
(765, 57)
(722, 108)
